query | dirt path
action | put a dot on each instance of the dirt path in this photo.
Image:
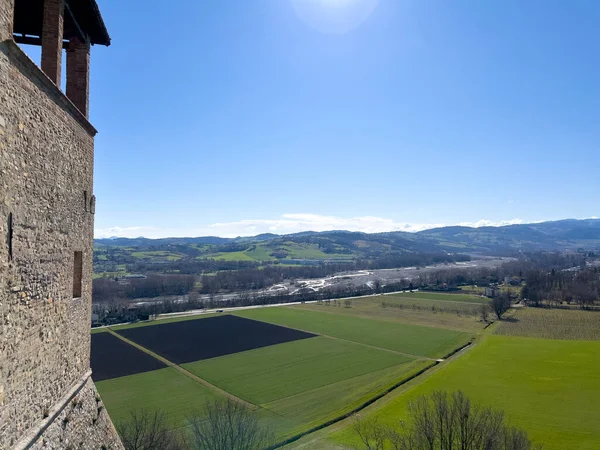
(185, 372)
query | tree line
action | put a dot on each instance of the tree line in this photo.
(114, 306)
(154, 285)
(543, 287)
(440, 421)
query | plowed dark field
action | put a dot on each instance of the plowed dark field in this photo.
(194, 340)
(112, 358)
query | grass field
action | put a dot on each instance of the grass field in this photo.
(233, 256)
(295, 385)
(460, 316)
(171, 256)
(270, 373)
(310, 408)
(306, 382)
(400, 337)
(550, 388)
(553, 324)
(164, 389)
(446, 297)
(262, 252)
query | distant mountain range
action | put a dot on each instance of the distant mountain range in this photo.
(556, 235)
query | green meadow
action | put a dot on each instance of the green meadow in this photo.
(400, 337)
(164, 389)
(297, 385)
(270, 373)
(550, 388)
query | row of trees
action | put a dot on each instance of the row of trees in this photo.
(580, 286)
(221, 425)
(444, 421)
(177, 278)
(440, 421)
(557, 286)
(154, 285)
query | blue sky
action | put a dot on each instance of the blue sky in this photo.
(236, 117)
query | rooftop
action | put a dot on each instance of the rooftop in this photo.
(82, 18)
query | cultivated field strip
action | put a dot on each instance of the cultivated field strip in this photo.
(296, 368)
(552, 324)
(112, 358)
(442, 297)
(167, 390)
(271, 373)
(550, 388)
(186, 372)
(210, 337)
(404, 338)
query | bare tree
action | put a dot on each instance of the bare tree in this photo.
(484, 311)
(148, 430)
(444, 422)
(228, 425)
(501, 304)
(372, 434)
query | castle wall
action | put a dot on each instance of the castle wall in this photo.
(82, 424)
(46, 177)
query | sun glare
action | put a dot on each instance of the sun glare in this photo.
(334, 16)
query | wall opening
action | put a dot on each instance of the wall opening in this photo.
(9, 236)
(85, 201)
(77, 274)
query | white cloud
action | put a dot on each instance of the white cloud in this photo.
(491, 223)
(287, 223)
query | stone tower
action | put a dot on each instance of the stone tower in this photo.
(47, 398)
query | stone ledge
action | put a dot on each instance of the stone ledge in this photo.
(34, 433)
(11, 49)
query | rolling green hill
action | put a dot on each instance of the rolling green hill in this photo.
(335, 246)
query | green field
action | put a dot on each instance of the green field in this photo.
(400, 337)
(263, 251)
(311, 408)
(171, 256)
(307, 381)
(296, 385)
(550, 388)
(460, 316)
(165, 389)
(270, 373)
(446, 297)
(233, 256)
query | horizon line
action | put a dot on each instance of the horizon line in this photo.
(408, 228)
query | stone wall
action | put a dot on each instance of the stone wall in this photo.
(46, 170)
(83, 424)
(7, 8)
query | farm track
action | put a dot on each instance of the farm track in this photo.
(408, 355)
(186, 372)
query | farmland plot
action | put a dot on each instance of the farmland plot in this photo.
(165, 390)
(550, 388)
(296, 379)
(193, 340)
(270, 373)
(112, 358)
(459, 316)
(410, 339)
(553, 324)
(307, 381)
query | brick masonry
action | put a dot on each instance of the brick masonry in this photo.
(46, 184)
